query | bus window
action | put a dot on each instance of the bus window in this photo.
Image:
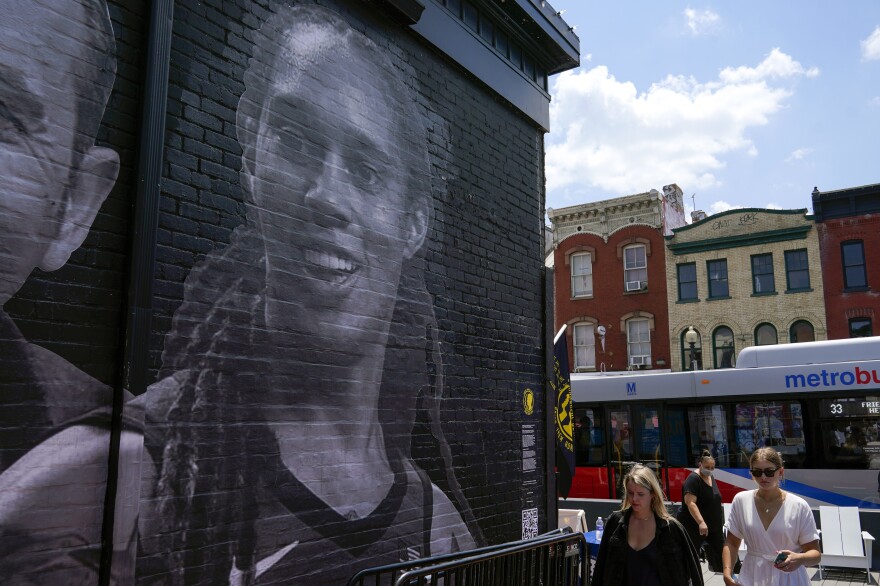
(649, 441)
(621, 448)
(621, 436)
(776, 424)
(677, 458)
(709, 432)
(649, 453)
(850, 431)
(589, 437)
(676, 438)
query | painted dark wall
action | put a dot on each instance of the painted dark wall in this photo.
(208, 465)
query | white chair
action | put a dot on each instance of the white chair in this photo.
(574, 518)
(844, 544)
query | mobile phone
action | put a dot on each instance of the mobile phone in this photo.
(780, 558)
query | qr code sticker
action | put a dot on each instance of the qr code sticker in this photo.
(529, 523)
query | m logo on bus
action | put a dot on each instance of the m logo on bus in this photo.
(630, 388)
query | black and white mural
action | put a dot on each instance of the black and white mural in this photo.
(305, 352)
(57, 68)
(346, 360)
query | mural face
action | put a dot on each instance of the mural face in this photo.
(296, 361)
(56, 71)
(331, 189)
(52, 177)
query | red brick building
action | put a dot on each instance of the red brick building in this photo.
(609, 280)
(848, 224)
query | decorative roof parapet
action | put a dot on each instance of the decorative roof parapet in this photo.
(603, 218)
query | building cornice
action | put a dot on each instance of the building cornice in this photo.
(533, 26)
(738, 211)
(739, 240)
(604, 218)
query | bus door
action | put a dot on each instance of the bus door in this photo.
(636, 438)
(678, 458)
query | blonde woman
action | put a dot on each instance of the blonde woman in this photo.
(778, 528)
(643, 545)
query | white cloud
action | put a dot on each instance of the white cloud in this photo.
(871, 46)
(721, 206)
(798, 155)
(701, 22)
(875, 101)
(773, 206)
(606, 135)
(776, 65)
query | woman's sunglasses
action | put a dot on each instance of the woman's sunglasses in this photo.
(768, 472)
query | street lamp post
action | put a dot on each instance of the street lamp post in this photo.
(691, 338)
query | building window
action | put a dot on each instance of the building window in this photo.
(860, 327)
(687, 281)
(765, 335)
(581, 274)
(584, 346)
(470, 16)
(722, 342)
(635, 267)
(487, 29)
(797, 270)
(638, 337)
(762, 274)
(801, 331)
(717, 271)
(686, 352)
(854, 274)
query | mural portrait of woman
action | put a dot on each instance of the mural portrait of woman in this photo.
(301, 381)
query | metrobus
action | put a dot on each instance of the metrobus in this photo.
(817, 403)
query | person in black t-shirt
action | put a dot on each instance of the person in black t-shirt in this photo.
(701, 511)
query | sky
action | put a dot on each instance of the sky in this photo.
(742, 104)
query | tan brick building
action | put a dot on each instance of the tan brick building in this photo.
(740, 278)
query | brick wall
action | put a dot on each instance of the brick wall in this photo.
(743, 310)
(842, 305)
(432, 381)
(611, 305)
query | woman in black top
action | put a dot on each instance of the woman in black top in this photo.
(643, 545)
(701, 511)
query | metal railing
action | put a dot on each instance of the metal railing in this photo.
(558, 558)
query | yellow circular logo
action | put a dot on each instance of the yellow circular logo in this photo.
(528, 401)
(564, 422)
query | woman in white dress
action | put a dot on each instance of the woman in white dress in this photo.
(775, 524)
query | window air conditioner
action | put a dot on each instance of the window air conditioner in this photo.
(633, 285)
(639, 360)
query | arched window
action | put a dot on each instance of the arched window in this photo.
(801, 331)
(765, 335)
(723, 348)
(584, 335)
(686, 352)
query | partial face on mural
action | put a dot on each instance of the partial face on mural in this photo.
(333, 189)
(55, 61)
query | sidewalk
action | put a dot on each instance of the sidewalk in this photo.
(832, 577)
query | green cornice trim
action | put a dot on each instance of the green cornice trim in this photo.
(738, 211)
(740, 240)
